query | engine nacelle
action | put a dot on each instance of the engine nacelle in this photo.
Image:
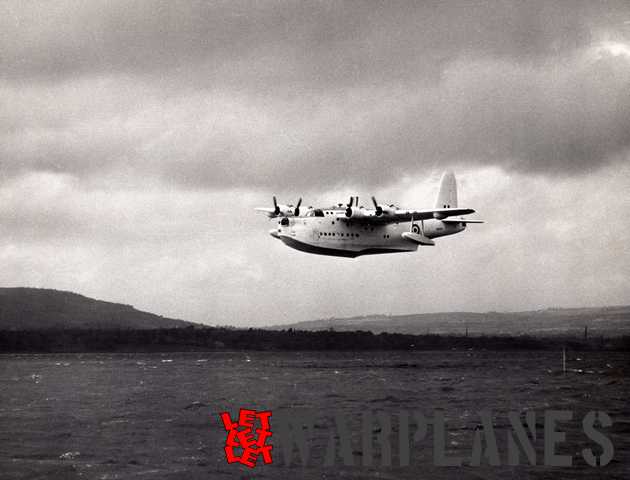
(380, 209)
(439, 216)
(285, 211)
(384, 210)
(355, 212)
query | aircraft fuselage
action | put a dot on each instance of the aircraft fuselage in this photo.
(330, 235)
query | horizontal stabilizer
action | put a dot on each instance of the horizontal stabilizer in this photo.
(417, 238)
(461, 220)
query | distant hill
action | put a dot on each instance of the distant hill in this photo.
(35, 309)
(607, 321)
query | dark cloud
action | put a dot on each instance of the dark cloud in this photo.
(266, 94)
(327, 41)
(546, 118)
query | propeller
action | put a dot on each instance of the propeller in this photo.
(296, 212)
(377, 207)
(349, 207)
(276, 208)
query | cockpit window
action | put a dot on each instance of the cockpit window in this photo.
(318, 212)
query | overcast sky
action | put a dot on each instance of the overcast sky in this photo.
(137, 137)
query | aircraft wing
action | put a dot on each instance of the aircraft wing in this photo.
(270, 212)
(439, 213)
(370, 216)
(461, 220)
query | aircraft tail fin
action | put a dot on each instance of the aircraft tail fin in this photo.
(447, 196)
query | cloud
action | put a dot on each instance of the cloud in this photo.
(327, 41)
(200, 256)
(216, 95)
(135, 139)
(559, 116)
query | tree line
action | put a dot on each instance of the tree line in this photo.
(220, 338)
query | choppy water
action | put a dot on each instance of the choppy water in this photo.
(110, 416)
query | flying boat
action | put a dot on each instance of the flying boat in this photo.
(351, 230)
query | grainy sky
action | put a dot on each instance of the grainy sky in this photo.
(136, 138)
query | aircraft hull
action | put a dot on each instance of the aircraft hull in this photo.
(346, 238)
(335, 252)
